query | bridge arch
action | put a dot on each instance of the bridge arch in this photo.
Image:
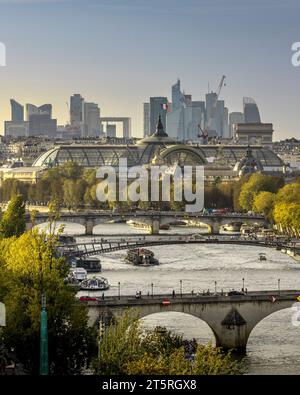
(182, 323)
(269, 327)
(69, 227)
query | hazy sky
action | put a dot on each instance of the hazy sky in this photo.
(118, 53)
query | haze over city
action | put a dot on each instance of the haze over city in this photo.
(119, 53)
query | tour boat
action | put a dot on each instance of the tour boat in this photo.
(94, 284)
(142, 226)
(262, 256)
(141, 257)
(90, 264)
(77, 275)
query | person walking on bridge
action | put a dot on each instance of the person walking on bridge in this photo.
(173, 294)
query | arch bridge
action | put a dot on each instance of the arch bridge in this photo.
(231, 318)
(102, 246)
(153, 219)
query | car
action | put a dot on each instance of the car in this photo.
(87, 299)
(234, 293)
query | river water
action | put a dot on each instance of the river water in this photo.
(273, 346)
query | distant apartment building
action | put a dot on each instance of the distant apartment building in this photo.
(254, 133)
(146, 112)
(158, 107)
(25, 174)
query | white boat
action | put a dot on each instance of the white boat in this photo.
(94, 284)
(77, 274)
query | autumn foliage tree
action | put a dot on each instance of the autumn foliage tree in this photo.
(126, 349)
(13, 221)
(29, 267)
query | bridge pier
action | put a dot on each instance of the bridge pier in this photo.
(231, 332)
(89, 226)
(155, 227)
(215, 228)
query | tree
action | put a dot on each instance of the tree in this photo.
(74, 192)
(13, 221)
(126, 349)
(290, 193)
(28, 268)
(287, 216)
(263, 203)
(258, 183)
(11, 187)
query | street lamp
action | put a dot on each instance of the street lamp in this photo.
(243, 284)
(44, 368)
(215, 287)
(181, 288)
(119, 290)
(279, 285)
(152, 290)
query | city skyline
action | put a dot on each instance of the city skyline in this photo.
(149, 47)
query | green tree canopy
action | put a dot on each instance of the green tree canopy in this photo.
(13, 221)
(264, 203)
(126, 349)
(28, 268)
(258, 183)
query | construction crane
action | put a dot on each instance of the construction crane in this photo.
(204, 133)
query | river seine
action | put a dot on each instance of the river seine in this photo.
(273, 346)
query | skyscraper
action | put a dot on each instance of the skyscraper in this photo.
(158, 107)
(146, 108)
(234, 118)
(41, 124)
(76, 110)
(176, 96)
(30, 110)
(46, 109)
(216, 115)
(33, 109)
(185, 115)
(91, 120)
(251, 112)
(225, 125)
(17, 111)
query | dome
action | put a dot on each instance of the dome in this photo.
(160, 137)
(248, 164)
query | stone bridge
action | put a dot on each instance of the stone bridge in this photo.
(152, 218)
(231, 318)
